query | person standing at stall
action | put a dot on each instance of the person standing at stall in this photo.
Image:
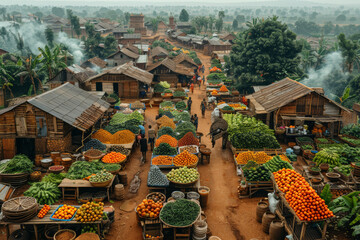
(189, 104)
(151, 135)
(196, 121)
(143, 148)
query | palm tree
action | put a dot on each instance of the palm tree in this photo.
(28, 70)
(51, 61)
(6, 78)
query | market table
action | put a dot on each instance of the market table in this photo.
(46, 220)
(76, 184)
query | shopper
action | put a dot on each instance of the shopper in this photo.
(203, 107)
(189, 104)
(143, 148)
(151, 135)
(192, 87)
(196, 121)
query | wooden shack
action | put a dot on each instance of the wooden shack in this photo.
(48, 122)
(288, 102)
(168, 70)
(125, 80)
(185, 60)
(158, 53)
(216, 45)
(124, 55)
(94, 63)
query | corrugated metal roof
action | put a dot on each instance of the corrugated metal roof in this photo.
(129, 53)
(132, 36)
(142, 59)
(142, 47)
(97, 61)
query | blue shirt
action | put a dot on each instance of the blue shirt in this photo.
(142, 129)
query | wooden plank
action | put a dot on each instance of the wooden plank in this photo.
(9, 148)
(20, 126)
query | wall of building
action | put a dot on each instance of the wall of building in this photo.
(118, 59)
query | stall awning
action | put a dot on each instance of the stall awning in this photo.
(316, 119)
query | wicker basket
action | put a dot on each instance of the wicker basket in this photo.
(100, 184)
(56, 171)
(280, 131)
(93, 158)
(186, 184)
(65, 230)
(148, 196)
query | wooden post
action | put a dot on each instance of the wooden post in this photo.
(55, 125)
(268, 119)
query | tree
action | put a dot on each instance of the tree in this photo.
(127, 17)
(211, 22)
(221, 14)
(51, 61)
(110, 45)
(352, 19)
(49, 35)
(341, 18)
(58, 11)
(28, 70)
(264, 53)
(219, 24)
(6, 75)
(235, 25)
(39, 15)
(69, 14)
(350, 51)
(75, 22)
(154, 24)
(240, 18)
(184, 16)
(3, 13)
(328, 27)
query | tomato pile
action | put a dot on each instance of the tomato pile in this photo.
(301, 197)
(114, 157)
(65, 212)
(149, 209)
(185, 159)
(44, 211)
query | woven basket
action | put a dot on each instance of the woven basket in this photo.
(100, 184)
(148, 196)
(65, 230)
(93, 158)
(186, 184)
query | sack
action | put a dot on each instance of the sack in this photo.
(272, 202)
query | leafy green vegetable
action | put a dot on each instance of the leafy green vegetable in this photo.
(228, 108)
(182, 116)
(165, 84)
(180, 105)
(183, 128)
(179, 94)
(182, 212)
(166, 131)
(254, 140)
(351, 140)
(82, 169)
(120, 118)
(326, 194)
(18, 164)
(158, 88)
(44, 192)
(164, 149)
(307, 147)
(54, 178)
(352, 130)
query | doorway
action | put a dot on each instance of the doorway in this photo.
(116, 88)
(26, 146)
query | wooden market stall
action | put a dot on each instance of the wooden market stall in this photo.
(48, 122)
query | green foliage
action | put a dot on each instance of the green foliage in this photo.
(164, 149)
(162, 44)
(216, 63)
(18, 164)
(183, 128)
(184, 16)
(326, 194)
(349, 50)
(158, 88)
(166, 131)
(253, 140)
(352, 130)
(180, 105)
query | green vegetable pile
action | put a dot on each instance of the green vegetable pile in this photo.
(166, 131)
(164, 149)
(166, 113)
(228, 108)
(182, 116)
(352, 130)
(327, 156)
(275, 164)
(180, 105)
(82, 169)
(304, 140)
(54, 178)
(110, 167)
(307, 147)
(119, 118)
(165, 84)
(179, 94)
(167, 91)
(123, 126)
(101, 176)
(158, 88)
(254, 140)
(183, 175)
(183, 128)
(180, 213)
(323, 140)
(322, 146)
(44, 192)
(344, 169)
(18, 164)
(292, 157)
(347, 154)
(352, 141)
(166, 104)
(257, 174)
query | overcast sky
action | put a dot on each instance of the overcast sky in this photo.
(166, 2)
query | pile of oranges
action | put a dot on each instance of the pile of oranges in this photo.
(301, 197)
(166, 139)
(151, 237)
(114, 157)
(44, 211)
(90, 212)
(65, 212)
(185, 159)
(149, 209)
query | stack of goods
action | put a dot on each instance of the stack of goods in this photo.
(223, 89)
(276, 163)
(162, 160)
(185, 159)
(180, 213)
(188, 139)
(123, 137)
(119, 118)
(183, 175)
(328, 156)
(83, 169)
(103, 136)
(157, 197)
(184, 128)
(167, 93)
(182, 116)
(166, 113)
(249, 133)
(120, 149)
(352, 141)
(114, 157)
(351, 130)
(112, 167)
(258, 157)
(166, 139)
(137, 105)
(157, 178)
(149, 209)
(165, 84)
(158, 88)
(259, 173)
(164, 149)
(215, 69)
(189, 148)
(44, 192)
(170, 124)
(214, 92)
(227, 108)
(64, 212)
(90, 212)
(238, 106)
(307, 147)
(180, 105)
(301, 197)
(94, 144)
(131, 125)
(93, 154)
(166, 106)
(166, 131)
(19, 209)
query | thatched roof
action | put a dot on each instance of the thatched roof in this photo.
(96, 61)
(159, 51)
(176, 68)
(184, 57)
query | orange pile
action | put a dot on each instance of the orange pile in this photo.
(65, 212)
(223, 89)
(214, 92)
(185, 159)
(123, 137)
(162, 160)
(188, 139)
(44, 211)
(301, 197)
(215, 69)
(168, 124)
(149, 209)
(103, 136)
(114, 157)
(166, 139)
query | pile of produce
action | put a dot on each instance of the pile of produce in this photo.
(323, 140)
(215, 78)
(156, 177)
(292, 157)
(123, 137)
(158, 88)
(185, 159)
(301, 197)
(149, 209)
(179, 213)
(190, 149)
(239, 123)
(188, 139)
(166, 113)
(90, 212)
(258, 157)
(307, 147)
(253, 140)
(93, 153)
(327, 156)
(351, 140)
(120, 149)
(346, 153)
(157, 197)
(238, 106)
(164, 149)
(344, 169)
(276, 163)
(123, 126)
(352, 130)
(88, 228)
(168, 91)
(285, 158)
(223, 89)
(168, 124)
(183, 175)
(165, 84)
(18, 164)
(259, 173)
(119, 118)
(166, 131)
(103, 136)
(101, 176)
(65, 212)
(114, 157)
(166, 105)
(111, 167)
(95, 144)
(82, 169)
(45, 209)
(181, 116)
(137, 105)
(227, 108)
(54, 178)
(214, 92)
(183, 128)
(44, 192)
(164, 119)
(180, 105)
(162, 160)
(322, 146)
(178, 94)
(166, 139)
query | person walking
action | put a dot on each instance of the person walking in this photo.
(192, 87)
(151, 135)
(196, 121)
(203, 80)
(199, 81)
(189, 104)
(203, 107)
(143, 148)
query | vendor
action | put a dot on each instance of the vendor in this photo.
(142, 129)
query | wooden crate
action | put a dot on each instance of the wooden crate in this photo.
(255, 186)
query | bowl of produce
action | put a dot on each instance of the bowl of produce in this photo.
(324, 167)
(46, 162)
(112, 168)
(333, 177)
(185, 159)
(101, 179)
(193, 149)
(183, 176)
(157, 197)
(93, 154)
(314, 170)
(114, 157)
(99, 196)
(85, 197)
(180, 213)
(316, 180)
(148, 209)
(56, 169)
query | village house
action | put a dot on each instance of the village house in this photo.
(185, 60)
(137, 23)
(183, 26)
(216, 45)
(49, 122)
(229, 37)
(287, 102)
(162, 27)
(2, 52)
(94, 63)
(121, 57)
(130, 38)
(158, 53)
(126, 81)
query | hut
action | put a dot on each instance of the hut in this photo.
(288, 102)
(124, 55)
(49, 122)
(125, 80)
(216, 45)
(94, 63)
(185, 60)
(130, 38)
(158, 53)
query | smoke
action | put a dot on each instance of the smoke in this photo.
(329, 76)
(73, 45)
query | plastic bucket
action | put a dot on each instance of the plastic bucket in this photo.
(204, 195)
